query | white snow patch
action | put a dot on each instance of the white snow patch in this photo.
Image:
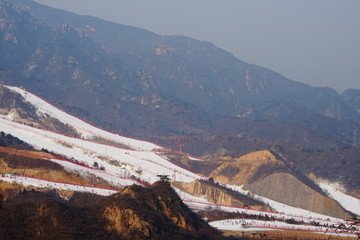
(195, 159)
(186, 197)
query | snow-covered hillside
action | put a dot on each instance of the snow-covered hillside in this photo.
(138, 161)
(144, 165)
(86, 130)
(120, 166)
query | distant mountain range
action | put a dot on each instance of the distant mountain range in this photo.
(175, 90)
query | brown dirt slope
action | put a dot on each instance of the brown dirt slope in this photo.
(30, 163)
(246, 168)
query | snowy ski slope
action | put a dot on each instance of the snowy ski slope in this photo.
(120, 166)
(144, 165)
(85, 129)
(336, 191)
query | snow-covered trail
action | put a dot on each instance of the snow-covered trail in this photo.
(308, 218)
(40, 183)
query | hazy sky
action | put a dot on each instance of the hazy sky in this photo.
(311, 41)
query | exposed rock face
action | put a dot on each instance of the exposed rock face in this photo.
(136, 213)
(125, 219)
(220, 195)
(39, 216)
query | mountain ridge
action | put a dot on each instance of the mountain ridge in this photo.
(141, 93)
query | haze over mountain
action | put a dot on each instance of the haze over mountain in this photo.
(307, 41)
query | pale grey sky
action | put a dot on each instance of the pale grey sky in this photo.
(311, 41)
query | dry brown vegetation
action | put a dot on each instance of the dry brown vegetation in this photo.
(35, 164)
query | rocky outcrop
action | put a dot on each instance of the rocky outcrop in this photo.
(121, 219)
(136, 213)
